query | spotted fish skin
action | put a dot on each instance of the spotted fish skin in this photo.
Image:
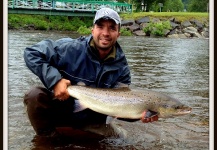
(126, 102)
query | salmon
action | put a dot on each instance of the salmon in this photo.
(126, 103)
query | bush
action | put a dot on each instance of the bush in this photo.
(125, 32)
(77, 23)
(157, 28)
(41, 25)
(84, 30)
(14, 22)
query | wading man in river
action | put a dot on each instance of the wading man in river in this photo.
(97, 61)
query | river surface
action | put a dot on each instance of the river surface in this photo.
(177, 67)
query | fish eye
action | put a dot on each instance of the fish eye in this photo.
(177, 107)
(165, 106)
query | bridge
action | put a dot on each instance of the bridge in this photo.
(65, 7)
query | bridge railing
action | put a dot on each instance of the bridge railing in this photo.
(70, 5)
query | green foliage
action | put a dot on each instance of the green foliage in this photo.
(195, 6)
(41, 25)
(151, 5)
(84, 30)
(14, 21)
(157, 28)
(42, 22)
(125, 32)
(173, 6)
(57, 18)
(77, 22)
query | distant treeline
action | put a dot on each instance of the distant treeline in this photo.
(170, 5)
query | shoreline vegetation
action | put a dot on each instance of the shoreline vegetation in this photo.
(154, 23)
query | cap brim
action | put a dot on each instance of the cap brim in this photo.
(107, 18)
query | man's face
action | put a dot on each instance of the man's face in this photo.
(105, 34)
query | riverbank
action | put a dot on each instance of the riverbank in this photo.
(158, 24)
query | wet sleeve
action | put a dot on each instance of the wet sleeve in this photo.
(125, 76)
(42, 59)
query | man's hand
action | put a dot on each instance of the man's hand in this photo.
(151, 119)
(149, 116)
(60, 89)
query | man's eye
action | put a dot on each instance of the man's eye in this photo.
(113, 28)
(100, 27)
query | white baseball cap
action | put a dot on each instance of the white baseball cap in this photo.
(107, 13)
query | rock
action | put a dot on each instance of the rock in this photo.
(127, 22)
(193, 33)
(197, 23)
(186, 29)
(172, 19)
(182, 36)
(197, 35)
(186, 24)
(143, 20)
(166, 32)
(174, 31)
(206, 29)
(187, 35)
(155, 20)
(143, 25)
(173, 36)
(190, 30)
(139, 33)
(177, 21)
(134, 27)
(205, 34)
(174, 25)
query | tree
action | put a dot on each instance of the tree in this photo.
(173, 5)
(151, 5)
(197, 6)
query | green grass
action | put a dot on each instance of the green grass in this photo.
(181, 16)
(82, 25)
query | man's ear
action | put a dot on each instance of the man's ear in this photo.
(119, 33)
(92, 30)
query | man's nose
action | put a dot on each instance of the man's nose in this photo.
(106, 31)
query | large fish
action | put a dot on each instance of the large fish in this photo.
(126, 103)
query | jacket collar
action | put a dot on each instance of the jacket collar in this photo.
(111, 55)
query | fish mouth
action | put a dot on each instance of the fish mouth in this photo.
(177, 112)
(183, 111)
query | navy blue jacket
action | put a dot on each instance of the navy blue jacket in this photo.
(73, 59)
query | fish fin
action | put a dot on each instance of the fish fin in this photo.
(150, 114)
(81, 83)
(109, 119)
(121, 85)
(78, 106)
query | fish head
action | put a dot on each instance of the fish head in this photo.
(173, 108)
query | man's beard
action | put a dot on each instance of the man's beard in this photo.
(104, 48)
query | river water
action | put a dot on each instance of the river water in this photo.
(177, 67)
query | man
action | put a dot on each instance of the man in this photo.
(97, 61)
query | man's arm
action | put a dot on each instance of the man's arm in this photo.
(41, 59)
